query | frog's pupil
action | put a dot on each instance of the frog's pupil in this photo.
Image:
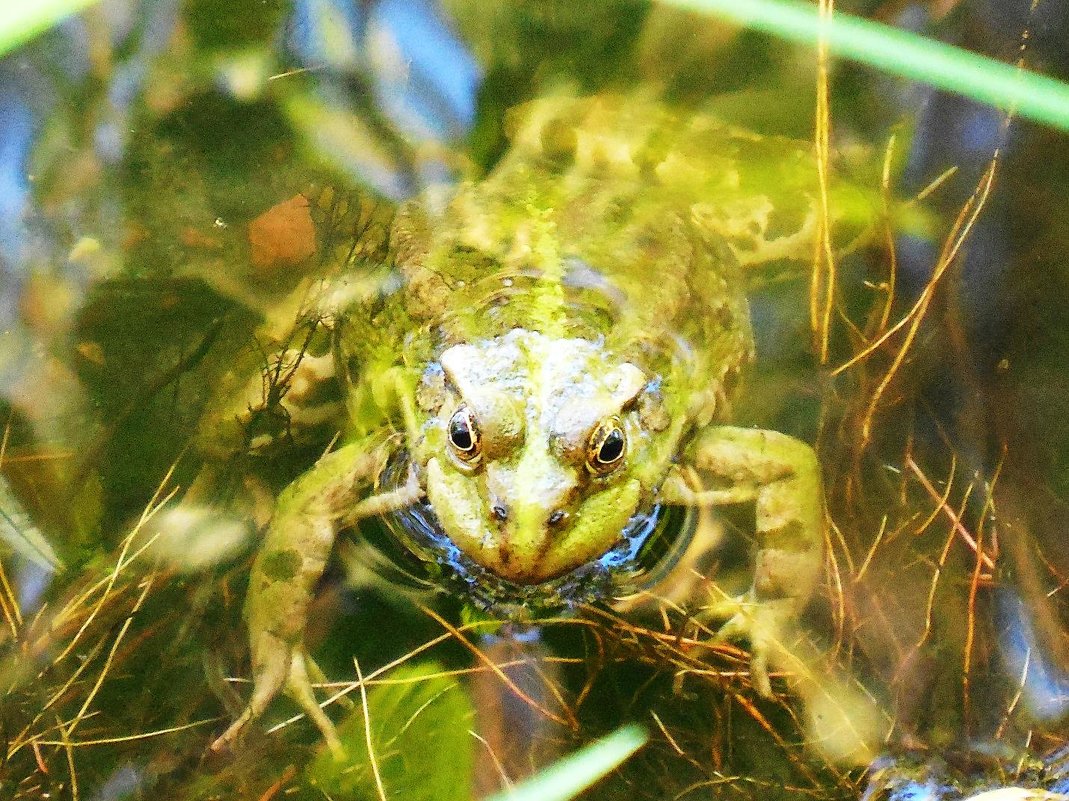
(612, 447)
(460, 434)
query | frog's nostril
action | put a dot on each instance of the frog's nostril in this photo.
(500, 513)
(557, 519)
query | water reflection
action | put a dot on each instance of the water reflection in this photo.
(16, 137)
(1044, 688)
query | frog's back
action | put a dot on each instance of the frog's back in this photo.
(609, 218)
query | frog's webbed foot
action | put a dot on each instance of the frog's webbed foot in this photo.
(760, 623)
(278, 665)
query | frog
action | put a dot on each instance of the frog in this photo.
(540, 366)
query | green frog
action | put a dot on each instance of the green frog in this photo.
(543, 370)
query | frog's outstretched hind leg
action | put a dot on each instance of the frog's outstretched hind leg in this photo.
(291, 561)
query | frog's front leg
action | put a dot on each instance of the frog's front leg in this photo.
(782, 476)
(298, 543)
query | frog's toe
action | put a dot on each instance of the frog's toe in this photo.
(742, 627)
(758, 623)
(316, 674)
(226, 741)
(300, 688)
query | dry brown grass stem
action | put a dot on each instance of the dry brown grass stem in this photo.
(955, 518)
(365, 709)
(912, 320)
(822, 285)
(124, 560)
(502, 774)
(889, 236)
(569, 721)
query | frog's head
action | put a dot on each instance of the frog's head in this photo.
(536, 455)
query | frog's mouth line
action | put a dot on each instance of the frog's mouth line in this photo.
(418, 547)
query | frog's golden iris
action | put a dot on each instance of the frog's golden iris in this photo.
(464, 436)
(608, 446)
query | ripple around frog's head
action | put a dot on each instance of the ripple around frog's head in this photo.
(649, 543)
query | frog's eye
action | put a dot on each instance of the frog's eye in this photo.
(607, 447)
(464, 435)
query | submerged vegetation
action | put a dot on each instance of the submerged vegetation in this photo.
(193, 161)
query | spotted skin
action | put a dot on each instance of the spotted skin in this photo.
(589, 290)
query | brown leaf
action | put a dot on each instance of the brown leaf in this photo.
(283, 236)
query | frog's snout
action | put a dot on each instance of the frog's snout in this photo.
(528, 529)
(556, 520)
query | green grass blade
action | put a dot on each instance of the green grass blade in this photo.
(565, 779)
(953, 69)
(21, 20)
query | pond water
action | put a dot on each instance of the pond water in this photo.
(175, 174)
